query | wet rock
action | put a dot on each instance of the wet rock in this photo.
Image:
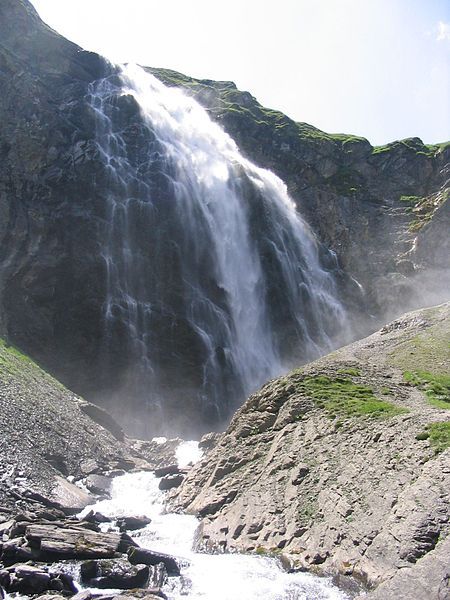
(149, 557)
(114, 574)
(159, 452)
(98, 484)
(158, 576)
(167, 470)
(29, 579)
(16, 550)
(171, 481)
(148, 594)
(132, 523)
(126, 542)
(97, 517)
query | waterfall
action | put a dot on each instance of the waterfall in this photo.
(214, 282)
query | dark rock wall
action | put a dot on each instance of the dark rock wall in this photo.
(383, 210)
(53, 187)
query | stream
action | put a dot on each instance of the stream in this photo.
(204, 576)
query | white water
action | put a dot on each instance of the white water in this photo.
(203, 576)
(222, 232)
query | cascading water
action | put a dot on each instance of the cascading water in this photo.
(203, 576)
(214, 282)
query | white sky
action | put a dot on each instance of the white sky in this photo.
(377, 68)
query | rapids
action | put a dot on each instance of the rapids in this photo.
(205, 576)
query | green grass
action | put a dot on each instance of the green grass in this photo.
(14, 365)
(435, 387)
(438, 434)
(340, 396)
(350, 371)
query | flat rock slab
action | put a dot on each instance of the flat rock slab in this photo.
(62, 543)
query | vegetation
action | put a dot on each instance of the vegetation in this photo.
(429, 350)
(350, 371)
(435, 387)
(341, 396)
(438, 434)
(16, 365)
(410, 144)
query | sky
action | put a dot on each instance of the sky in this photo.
(376, 68)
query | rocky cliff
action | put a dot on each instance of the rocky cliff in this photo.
(383, 211)
(343, 465)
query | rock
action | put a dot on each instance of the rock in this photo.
(126, 542)
(158, 576)
(159, 452)
(98, 484)
(132, 523)
(60, 543)
(167, 470)
(209, 440)
(170, 481)
(29, 579)
(149, 594)
(338, 491)
(103, 418)
(149, 557)
(97, 517)
(83, 595)
(16, 550)
(69, 496)
(117, 573)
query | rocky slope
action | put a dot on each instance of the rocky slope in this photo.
(49, 437)
(384, 211)
(343, 465)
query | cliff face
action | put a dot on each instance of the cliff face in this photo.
(383, 211)
(342, 466)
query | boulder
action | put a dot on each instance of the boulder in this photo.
(96, 517)
(149, 557)
(132, 523)
(30, 579)
(117, 573)
(167, 470)
(171, 481)
(98, 484)
(59, 543)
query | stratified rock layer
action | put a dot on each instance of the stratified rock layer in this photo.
(332, 465)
